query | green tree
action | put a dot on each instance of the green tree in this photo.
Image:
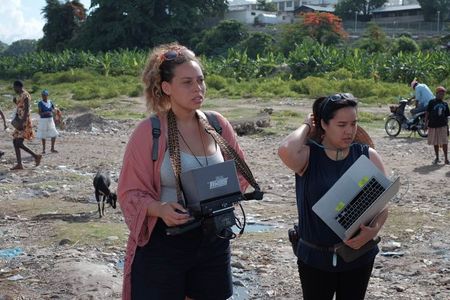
(346, 8)
(291, 36)
(217, 40)
(258, 43)
(266, 6)
(144, 23)
(20, 47)
(63, 21)
(374, 39)
(3, 47)
(431, 7)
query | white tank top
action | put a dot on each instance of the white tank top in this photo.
(188, 162)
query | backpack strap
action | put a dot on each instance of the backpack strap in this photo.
(156, 133)
(212, 119)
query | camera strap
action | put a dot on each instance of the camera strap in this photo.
(230, 153)
(227, 150)
(174, 152)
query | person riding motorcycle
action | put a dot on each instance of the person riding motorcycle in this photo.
(422, 94)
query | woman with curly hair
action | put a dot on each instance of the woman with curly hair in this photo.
(191, 265)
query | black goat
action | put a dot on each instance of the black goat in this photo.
(102, 181)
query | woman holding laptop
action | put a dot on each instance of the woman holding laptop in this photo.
(327, 143)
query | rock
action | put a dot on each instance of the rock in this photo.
(391, 246)
(399, 288)
(237, 265)
(65, 242)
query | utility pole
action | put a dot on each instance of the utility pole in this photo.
(438, 15)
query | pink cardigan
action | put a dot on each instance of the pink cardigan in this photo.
(139, 185)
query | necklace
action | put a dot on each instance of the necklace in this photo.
(190, 150)
(339, 151)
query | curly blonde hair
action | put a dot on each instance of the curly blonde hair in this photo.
(160, 67)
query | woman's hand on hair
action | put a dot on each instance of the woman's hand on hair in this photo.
(309, 121)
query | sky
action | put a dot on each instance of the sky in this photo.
(22, 19)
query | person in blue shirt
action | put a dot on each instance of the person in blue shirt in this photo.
(319, 152)
(422, 94)
(46, 128)
(436, 119)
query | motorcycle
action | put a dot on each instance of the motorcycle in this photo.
(400, 118)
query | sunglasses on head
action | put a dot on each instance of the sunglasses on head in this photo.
(336, 98)
(169, 55)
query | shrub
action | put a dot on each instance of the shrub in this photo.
(216, 82)
(341, 74)
(404, 44)
(359, 87)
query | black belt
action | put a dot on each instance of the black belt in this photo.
(321, 248)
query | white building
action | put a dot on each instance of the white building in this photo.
(282, 5)
(245, 11)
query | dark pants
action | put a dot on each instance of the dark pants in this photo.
(190, 264)
(18, 144)
(322, 285)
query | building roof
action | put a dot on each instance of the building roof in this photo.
(241, 2)
(269, 16)
(319, 8)
(396, 8)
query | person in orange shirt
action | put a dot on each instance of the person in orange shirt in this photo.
(25, 132)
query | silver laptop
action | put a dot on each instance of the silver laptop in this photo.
(210, 185)
(356, 198)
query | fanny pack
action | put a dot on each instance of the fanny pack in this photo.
(347, 253)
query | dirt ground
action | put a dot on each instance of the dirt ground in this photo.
(54, 246)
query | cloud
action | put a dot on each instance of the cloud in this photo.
(15, 25)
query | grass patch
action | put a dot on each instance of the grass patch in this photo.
(83, 88)
(117, 114)
(401, 218)
(37, 206)
(91, 233)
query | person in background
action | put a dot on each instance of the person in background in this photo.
(46, 128)
(3, 118)
(436, 119)
(4, 126)
(319, 151)
(422, 94)
(191, 265)
(22, 102)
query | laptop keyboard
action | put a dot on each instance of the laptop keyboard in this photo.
(368, 194)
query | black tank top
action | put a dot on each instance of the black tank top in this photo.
(321, 174)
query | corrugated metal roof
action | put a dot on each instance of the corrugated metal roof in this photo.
(319, 8)
(241, 2)
(397, 8)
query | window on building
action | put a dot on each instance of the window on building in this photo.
(254, 6)
(253, 13)
(281, 6)
(296, 3)
(288, 4)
